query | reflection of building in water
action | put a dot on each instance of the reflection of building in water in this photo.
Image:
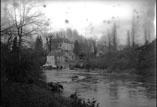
(62, 53)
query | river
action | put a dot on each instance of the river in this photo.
(110, 90)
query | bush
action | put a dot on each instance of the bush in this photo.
(146, 60)
(78, 102)
(25, 69)
(55, 87)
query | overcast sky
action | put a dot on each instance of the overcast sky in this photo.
(95, 18)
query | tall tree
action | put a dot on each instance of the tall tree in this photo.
(114, 34)
(15, 46)
(88, 51)
(76, 49)
(49, 41)
(133, 30)
(95, 47)
(133, 36)
(128, 39)
(39, 51)
(109, 41)
(38, 44)
(23, 19)
(146, 36)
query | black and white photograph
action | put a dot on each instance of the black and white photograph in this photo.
(78, 53)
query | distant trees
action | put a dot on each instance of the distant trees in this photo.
(114, 34)
(38, 44)
(76, 49)
(39, 51)
(95, 48)
(133, 35)
(112, 38)
(134, 28)
(49, 41)
(109, 41)
(88, 55)
(128, 39)
(146, 36)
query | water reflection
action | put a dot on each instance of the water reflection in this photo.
(109, 90)
(113, 90)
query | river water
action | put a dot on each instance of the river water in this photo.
(110, 90)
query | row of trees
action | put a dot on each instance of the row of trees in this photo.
(112, 37)
(91, 48)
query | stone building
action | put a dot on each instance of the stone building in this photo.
(62, 54)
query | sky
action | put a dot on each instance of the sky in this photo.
(95, 18)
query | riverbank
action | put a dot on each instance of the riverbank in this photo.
(31, 95)
(16, 94)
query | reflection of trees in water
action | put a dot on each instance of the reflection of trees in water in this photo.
(148, 83)
(113, 90)
(89, 84)
(150, 91)
(135, 86)
(143, 86)
(115, 77)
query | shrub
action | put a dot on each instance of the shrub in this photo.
(55, 87)
(22, 70)
(78, 102)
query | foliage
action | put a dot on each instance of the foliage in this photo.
(125, 59)
(30, 95)
(146, 59)
(21, 70)
(104, 61)
(78, 102)
(137, 60)
(21, 21)
(114, 34)
(76, 49)
(39, 51)
(55, 87)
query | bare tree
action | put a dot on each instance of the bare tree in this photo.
(133, 35)
(95, 47)
(24, 19)
(128, 39)
(146, 36)
(114, 34)
(109, 41)
(134, 28)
